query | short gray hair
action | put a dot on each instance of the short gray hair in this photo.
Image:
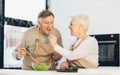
(45, 13)
(82, 19)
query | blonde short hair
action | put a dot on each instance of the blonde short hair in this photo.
(82, 20)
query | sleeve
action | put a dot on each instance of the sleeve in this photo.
(59, 37)
(22, 43)
(59, 41)
(86, 48)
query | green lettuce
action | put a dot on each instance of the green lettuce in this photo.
(41, 67)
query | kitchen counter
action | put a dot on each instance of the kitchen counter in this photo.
(98, 71)
(32, 72)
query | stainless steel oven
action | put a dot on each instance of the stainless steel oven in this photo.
(109, 52)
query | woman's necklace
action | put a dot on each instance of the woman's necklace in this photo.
(74, 46)
(77, 43)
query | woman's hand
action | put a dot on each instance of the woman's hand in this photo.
(64, 65)
(53, 40)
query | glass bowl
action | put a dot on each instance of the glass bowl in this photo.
(40, 67)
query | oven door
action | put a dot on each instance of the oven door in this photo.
(108, 53)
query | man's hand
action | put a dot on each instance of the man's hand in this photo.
(21, 52)
(64, 65)
(56, 56)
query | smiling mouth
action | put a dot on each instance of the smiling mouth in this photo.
(48, 29)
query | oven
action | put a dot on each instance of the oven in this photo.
(109, 52)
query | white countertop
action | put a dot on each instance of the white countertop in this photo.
(32, 72)
(100, 71)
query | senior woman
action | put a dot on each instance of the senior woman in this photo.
(84, 50)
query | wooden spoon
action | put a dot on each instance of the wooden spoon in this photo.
(36, 61)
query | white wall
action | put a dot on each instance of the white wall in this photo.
(18, 9)
(104, 16)
(24, 9)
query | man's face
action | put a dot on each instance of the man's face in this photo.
(46, 24)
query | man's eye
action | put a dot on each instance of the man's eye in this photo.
(46, 22)
(51, 23)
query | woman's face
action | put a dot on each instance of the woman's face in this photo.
(74, 28)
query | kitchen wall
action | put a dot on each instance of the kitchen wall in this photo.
(24, 9)
(104, 16)
(22, 13)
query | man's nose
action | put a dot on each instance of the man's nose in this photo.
(49, 26)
